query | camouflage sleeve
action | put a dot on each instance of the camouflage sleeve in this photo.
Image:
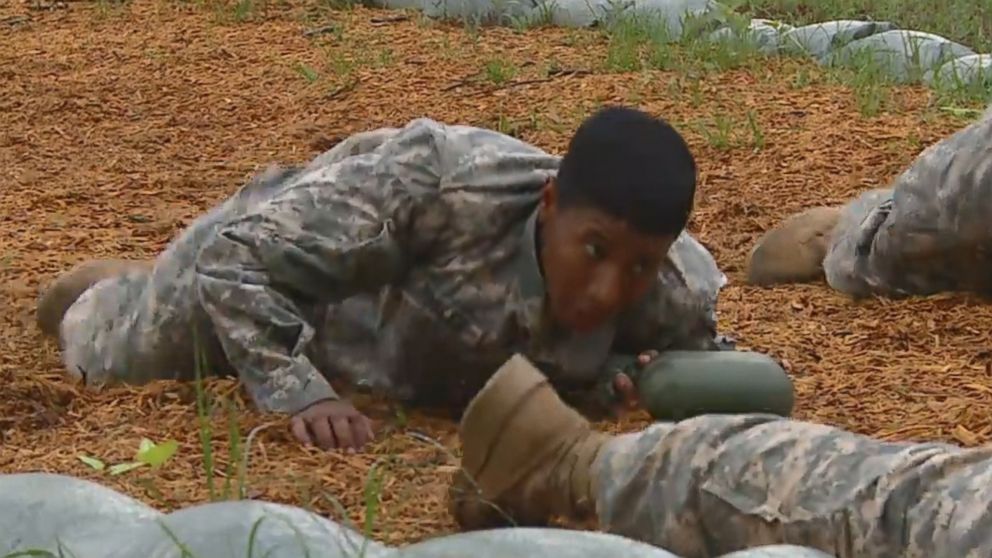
(715, 484)
(355, 144)
(338, 230)
(679, 313)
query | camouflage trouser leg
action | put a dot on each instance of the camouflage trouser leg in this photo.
(96, 328)
(135, 328)
(933, 233)
(147, 326)
(714, 484)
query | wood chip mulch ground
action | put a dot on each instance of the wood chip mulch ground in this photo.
(120, 124)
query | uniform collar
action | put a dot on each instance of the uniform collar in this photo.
(532, 286)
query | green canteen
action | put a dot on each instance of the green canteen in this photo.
(682, 384)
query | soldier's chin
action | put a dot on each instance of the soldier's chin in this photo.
(582, 322)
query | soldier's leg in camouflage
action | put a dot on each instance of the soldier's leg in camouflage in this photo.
(793, 251)
(133, 322)
(718, 483)
(99, 330)
(57, 297)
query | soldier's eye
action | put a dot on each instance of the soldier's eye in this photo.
(595, 250)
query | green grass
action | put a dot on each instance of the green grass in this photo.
(500, 71)
(638, 44)
(968, 22)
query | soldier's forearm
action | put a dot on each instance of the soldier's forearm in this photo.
(287, 390)
(278, 376)
(263, 333)
(718, 483)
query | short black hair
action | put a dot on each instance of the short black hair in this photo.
(634, 167)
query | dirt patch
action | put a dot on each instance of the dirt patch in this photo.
(123, 124)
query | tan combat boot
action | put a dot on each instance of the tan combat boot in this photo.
(526, 454)
(56, 299)
(793, 252)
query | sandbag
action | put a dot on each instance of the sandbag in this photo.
(561, 543)
(901, 55)
(237, 529)
(929, 232)
(764, 35)
(561, 13)
(820, 39)
(523, 541)
(56, 513)
(44, 514)
(778, 551)
(41, 511)
(974, 69)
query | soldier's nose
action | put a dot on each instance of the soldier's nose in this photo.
(605, 291)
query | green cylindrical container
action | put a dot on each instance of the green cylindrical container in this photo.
(682, 384)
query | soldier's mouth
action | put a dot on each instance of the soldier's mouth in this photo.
(585, 320)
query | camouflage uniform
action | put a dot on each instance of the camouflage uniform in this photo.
(718, 483)
(930, 232)
(403, 260)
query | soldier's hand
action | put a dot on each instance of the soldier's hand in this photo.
(646, 358)
(625, 389)
(332, 424)
(624, 386)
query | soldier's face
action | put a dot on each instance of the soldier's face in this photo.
(594, 264)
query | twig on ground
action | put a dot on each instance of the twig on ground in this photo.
(338, 92)
(551, 77)
(386, 20)
(320, 30)
(510, 84)
(14, 21)
(460, 83)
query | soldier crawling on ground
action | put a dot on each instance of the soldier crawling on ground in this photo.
(929, 232)
(412, 261)
(715, 484)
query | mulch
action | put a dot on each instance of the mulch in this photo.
(121, 123)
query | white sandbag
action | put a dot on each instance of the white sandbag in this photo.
(41, 511)
(237, 529)
(482, 11)
(901, 55)
(62, 515)
(560, 543)
(962, 72)
(819, 39)
(764, 35)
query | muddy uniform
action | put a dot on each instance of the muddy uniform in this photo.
(402, 260)
(929, 232)
(713, 484)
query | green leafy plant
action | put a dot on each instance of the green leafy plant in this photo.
(149, 454)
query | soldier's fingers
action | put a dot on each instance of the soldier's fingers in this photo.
(299, 428)
(321, 428)
(633, 402)
(625, 387)
(647, 356)
(368, 427)
(359, 432)
(342, 429)
(364, 426)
